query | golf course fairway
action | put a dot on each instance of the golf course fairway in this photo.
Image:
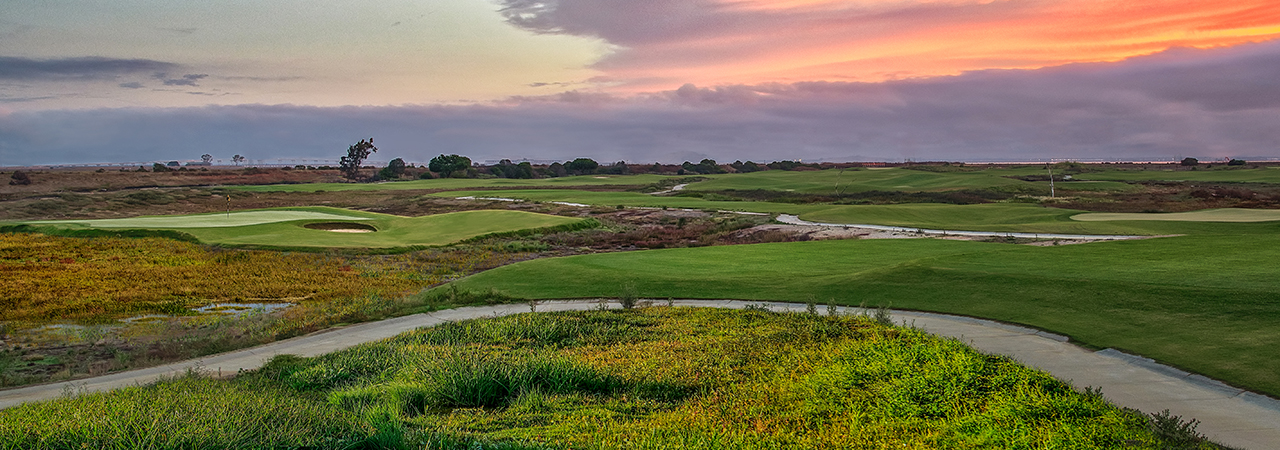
(1213, 314)
(287, 227)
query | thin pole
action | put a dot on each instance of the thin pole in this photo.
(1047, 166)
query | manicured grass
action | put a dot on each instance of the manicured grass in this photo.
(215, 220)
(648, 379)
(1016, 217)
(1233, 175)
(1019, 217)
(285, 227)
(1205, 215)
(1205, 303)
(464, 183)
(392, 231)
(613, 199)
(832, 180)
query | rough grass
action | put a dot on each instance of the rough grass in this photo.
(650, 378)
(185, 413)
(285, 228)
(1203, 303)
(48, 277)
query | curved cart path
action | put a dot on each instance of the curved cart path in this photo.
(1226, 414)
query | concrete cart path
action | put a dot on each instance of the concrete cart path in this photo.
(1227, 415)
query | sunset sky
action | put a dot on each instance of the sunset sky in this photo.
(642, 81)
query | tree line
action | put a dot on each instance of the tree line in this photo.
(458, 166)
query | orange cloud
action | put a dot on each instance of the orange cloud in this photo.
(666, 43)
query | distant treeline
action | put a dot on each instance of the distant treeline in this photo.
(457, 166)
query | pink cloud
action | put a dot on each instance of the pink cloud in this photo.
(1206, 103)
(664, 44)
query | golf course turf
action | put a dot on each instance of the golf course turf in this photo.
(1205, 215)
(287, 227)
(1014, 217)
(1203, 303)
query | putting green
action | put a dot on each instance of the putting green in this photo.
(235, 219)
(1207, 215)
(288, 227)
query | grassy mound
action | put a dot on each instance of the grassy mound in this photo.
(651, 378)
(287, 227)
(1213, 314)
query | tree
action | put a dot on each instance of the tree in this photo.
(19, 178)
(707, 166)
(582, 166)
(447, 165)
(394, 170)
(157, 167)
(207, 158)
(557, 170)
(745, 167)
(618, 168)
(237, 159)
(1189, 161)
(356, 154)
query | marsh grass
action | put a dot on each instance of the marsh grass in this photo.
(64, 297)
(641, 378)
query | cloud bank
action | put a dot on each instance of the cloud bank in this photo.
(92, 67)
(660, 42)
(1182, 102)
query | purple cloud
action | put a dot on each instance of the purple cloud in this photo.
(28, 69)
(190, 79)
(1203, 103)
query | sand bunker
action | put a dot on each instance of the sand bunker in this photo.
(342, 227)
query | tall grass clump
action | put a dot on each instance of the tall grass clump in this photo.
(186, 412)
(628, 296)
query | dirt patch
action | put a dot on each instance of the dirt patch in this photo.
(342, 227)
